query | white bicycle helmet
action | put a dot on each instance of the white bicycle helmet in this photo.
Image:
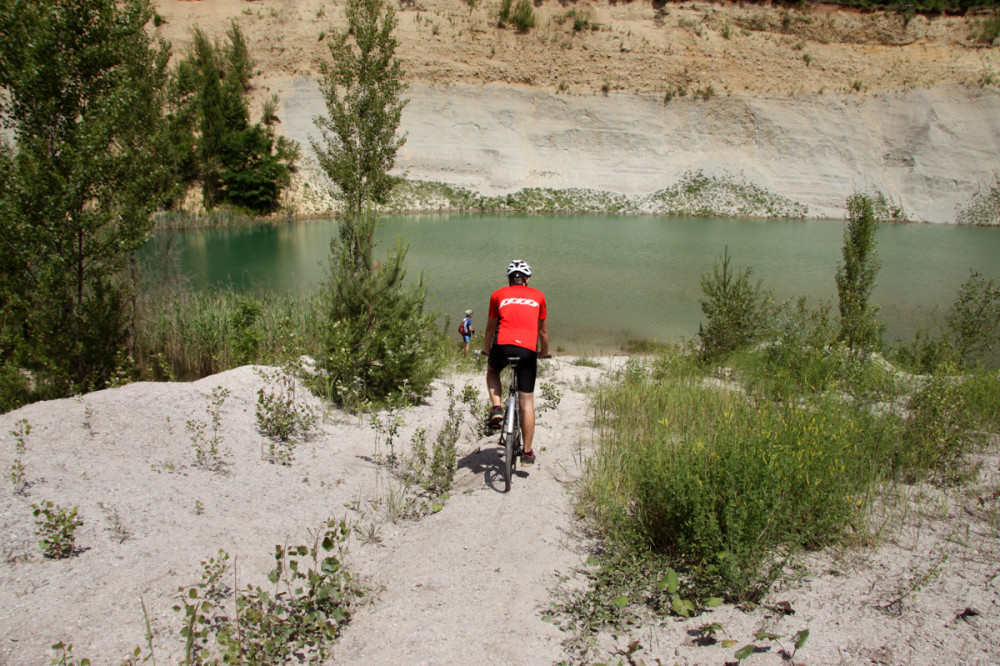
(518, 266)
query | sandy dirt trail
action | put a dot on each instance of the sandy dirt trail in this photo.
(466, 581)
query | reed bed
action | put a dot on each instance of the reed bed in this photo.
(183, 333)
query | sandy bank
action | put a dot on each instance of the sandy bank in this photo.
(930, 150)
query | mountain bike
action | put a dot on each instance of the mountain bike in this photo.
(510, 430)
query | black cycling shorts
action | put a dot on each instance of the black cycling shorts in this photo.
(527, 364)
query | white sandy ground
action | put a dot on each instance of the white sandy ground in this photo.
(466, 585)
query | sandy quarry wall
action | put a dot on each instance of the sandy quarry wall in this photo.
(928, 149)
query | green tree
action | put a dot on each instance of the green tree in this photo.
(379, 343)
(859, 325)
(974, 319)
(84, 86)
(736, 310)
(363, 91)
(237, 162)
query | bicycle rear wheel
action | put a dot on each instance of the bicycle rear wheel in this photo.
(508, 461)
(511, 450)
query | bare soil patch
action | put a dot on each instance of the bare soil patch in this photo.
(592, 47)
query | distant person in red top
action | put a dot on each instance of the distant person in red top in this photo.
(517, 317)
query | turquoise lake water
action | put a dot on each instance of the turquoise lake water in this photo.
(609, 279)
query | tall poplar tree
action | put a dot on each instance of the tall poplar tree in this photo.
(86, 168)
(859, 325)
(363, 89)
(379, 343)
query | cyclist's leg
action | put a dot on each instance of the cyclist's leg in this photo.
(527, 403)
(493, 385)
(527, 369)
(495, 364)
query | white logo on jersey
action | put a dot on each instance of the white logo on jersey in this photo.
(519, 301)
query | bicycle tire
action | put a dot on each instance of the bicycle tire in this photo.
(508, 458)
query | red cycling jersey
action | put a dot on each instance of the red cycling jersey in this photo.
(518, 309)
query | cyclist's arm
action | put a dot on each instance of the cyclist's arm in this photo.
(543, 338)
(491, 330)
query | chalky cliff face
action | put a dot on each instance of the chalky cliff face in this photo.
(627, 99)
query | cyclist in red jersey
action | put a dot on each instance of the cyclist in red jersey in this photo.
(517, 317)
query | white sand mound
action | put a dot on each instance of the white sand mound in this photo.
(464, 585)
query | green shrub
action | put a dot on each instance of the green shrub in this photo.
(989, 29)
(725, 485)
(924, 353)
(281, 417)
(974, 319)
(298, 620)
(521, 14)
(56, 526)
(378, 344)
(805, 360)
(736, 311)
(980, 391)
(308, 609)
(938, 432)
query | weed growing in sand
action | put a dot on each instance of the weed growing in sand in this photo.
(88, 417)
(115, 525)
(298, 619)
(56, 527)
(369, 533)
(921, 578)
(434, 470)
(165, 466)
(470, 398)
(387, 426)
(550, 396)
(17, 472)
(519, 14)
(798, 640)
(621, 582)
(208, 450)
(64, 656)
(198, 602)
(281, 417)
(418, 449)
(443, 456)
